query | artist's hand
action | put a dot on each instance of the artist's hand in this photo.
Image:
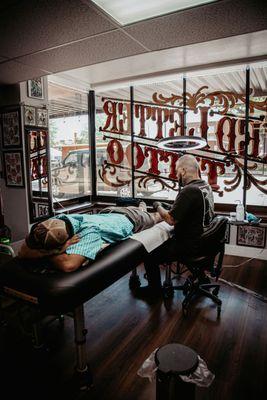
(166, 206)
(156, 204)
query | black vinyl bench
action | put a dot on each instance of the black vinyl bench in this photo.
(54, 292)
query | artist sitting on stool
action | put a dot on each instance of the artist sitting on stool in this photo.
(70, 241)
(193, 209)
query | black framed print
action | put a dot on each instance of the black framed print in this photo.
(42, 117)
(11, 129)
(29, 115)
(251, 236)
(13, 168)
(36, 88)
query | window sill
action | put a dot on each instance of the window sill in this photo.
(77, 208)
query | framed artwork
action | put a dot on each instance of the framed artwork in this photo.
(29, 115)
(251, 236)
(11, 129)
(39, 191)
(36, 88)
(42, 117)
(13, 168)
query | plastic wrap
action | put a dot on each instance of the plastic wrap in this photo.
(202, 376)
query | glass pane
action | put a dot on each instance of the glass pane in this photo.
(257, 151)
(69, 143)
(113, 144)
(217, 113)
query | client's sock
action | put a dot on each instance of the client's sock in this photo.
(142, 206)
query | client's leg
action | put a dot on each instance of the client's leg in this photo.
(157, 217)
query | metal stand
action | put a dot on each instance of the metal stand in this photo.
(83, 373)
(168, 287)
(134, 281)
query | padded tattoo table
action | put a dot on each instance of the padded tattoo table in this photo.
(55, 292)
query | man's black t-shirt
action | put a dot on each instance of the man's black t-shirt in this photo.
(193, 209)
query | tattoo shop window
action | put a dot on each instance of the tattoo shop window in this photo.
(69, 144)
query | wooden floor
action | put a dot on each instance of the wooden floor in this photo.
(123, 331)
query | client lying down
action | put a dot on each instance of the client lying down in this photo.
(71, 240)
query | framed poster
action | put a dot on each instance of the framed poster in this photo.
(39, 191)
(13, 168)
(251, 236)
(11, 129)
(42, 117)
(29, 115)
(36, 88)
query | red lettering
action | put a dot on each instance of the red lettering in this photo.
(124, 110)
(254, 138)
(115, 151)
(139, 157)
(213, 168)
(112, 115)
(230, 134)
(152, 154)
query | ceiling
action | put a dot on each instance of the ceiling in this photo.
(47, 37)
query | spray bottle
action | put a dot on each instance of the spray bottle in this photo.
(240, 212)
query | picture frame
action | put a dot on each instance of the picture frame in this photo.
(29, 116)
(42, 117)
(13, 168)
(251, 236)
(11, 129)
(35, 88)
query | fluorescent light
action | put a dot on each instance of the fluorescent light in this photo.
(129, 11)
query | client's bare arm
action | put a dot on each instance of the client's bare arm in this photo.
(68, 262)
(27, 252)
(61, 260)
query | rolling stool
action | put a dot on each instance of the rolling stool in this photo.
(212, 244)
(172, 361)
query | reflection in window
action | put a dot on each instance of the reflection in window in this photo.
(69, 143)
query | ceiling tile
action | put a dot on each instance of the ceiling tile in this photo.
(200, 24)
(91, 51)
(13, 72)
(33, 25)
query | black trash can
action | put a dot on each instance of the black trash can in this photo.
(172, 361)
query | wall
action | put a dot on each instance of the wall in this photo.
(15, 200)
(15, 206)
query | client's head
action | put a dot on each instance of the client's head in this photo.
(49, 235)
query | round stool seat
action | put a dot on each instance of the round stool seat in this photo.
(176, 359)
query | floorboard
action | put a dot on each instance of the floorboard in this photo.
(123, 331)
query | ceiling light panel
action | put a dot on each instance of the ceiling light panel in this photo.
(129, 11)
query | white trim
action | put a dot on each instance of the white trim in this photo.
(244, 251)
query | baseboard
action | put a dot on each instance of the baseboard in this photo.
(250, 252)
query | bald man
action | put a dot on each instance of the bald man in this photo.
(191, 212)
